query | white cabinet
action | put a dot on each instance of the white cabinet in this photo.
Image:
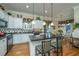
(6, 17)
(2, 14)
(3, 47)
(16, 38)
(14, 22)
(27, 26)
(11, 22)
(21, 38)
(17, 22)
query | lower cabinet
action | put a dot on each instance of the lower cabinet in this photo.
(3, 46)
(21, 38)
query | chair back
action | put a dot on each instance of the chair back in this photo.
(59, 41)
(46, 46)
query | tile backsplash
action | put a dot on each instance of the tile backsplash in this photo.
(15, 30)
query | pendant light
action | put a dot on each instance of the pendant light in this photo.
(52, 24)
(33, 22)
(44, 23)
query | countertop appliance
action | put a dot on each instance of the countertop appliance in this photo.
(2, 34)
(9, 41)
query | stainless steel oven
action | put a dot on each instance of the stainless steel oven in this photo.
(3, 23)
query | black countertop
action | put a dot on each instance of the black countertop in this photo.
(33, 38)
(38, 39)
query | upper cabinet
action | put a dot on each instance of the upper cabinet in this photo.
(14, 22)
(3, 15)
(11, 22)
(76, 14)
(17, 22)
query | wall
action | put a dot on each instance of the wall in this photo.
(76, 20)
(76, 14)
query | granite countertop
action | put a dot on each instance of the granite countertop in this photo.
(18, 32)
(15, 30)
(39, 37)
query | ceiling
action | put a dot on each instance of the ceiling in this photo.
(39, 8)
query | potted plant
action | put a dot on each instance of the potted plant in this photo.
(60, 32)
(38, 18)
(76, 26)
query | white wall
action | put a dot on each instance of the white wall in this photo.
(76, 20)
(76, 14)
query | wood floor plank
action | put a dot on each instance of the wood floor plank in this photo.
(23, 50)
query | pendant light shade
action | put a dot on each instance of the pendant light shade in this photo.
(52, 24)
(44, 23)
(33, 22)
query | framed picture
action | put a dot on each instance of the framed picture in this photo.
(68, 28)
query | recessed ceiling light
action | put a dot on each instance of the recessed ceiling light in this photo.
(45, 11)
(27, 6)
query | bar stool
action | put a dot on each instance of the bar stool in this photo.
(58, 45)
(44, 48)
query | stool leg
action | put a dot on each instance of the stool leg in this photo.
(61, 52)
(49, 53)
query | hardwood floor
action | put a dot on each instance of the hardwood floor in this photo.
(23, 50)
(19, 50)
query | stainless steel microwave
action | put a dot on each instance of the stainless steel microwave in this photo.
(3, 23)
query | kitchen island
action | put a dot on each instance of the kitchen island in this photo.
(36, 42)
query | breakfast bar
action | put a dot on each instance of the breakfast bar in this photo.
(34, 43)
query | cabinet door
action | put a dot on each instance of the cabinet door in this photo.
(2, 14)
(11, 22)
(20, 38)
(16, 38)
(17, 23)
(6, 17)
(24, 38)
(3, 47)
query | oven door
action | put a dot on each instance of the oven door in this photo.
(9, 42)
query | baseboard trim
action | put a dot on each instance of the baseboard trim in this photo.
(21, 43)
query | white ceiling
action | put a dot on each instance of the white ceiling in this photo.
(38, 7)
